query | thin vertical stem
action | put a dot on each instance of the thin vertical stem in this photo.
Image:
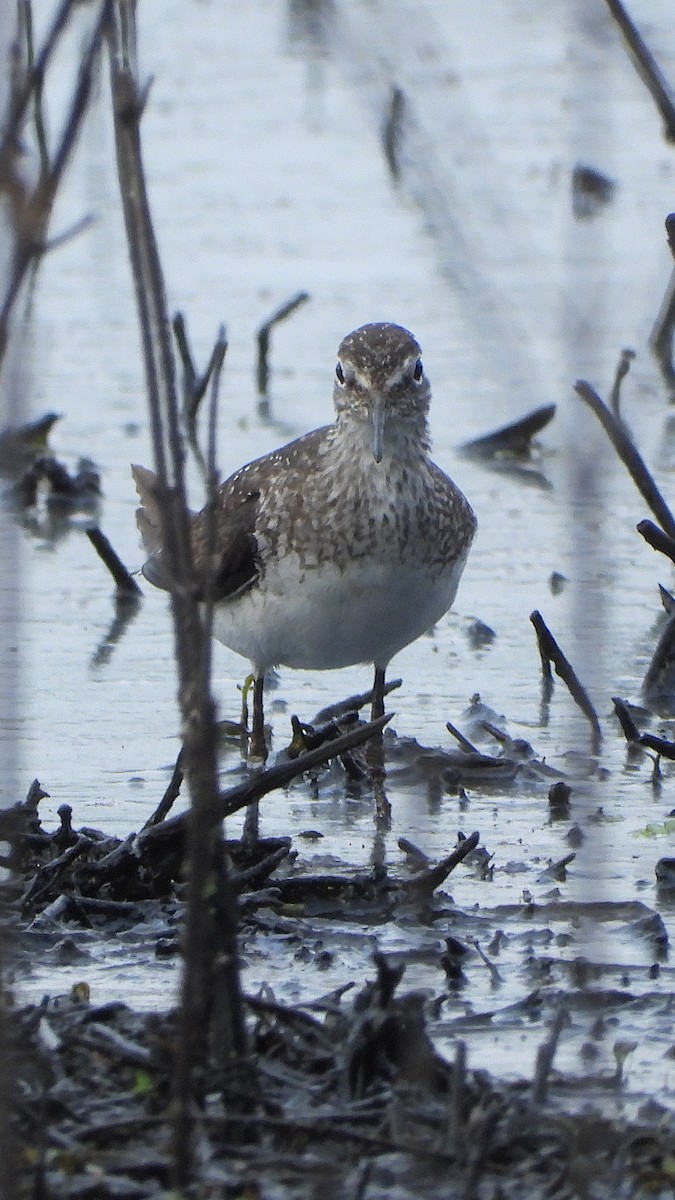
(211, 1018)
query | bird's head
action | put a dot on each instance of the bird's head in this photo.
(380, 382)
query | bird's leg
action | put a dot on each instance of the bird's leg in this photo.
(257, 749)
(375, 752)
(377, 708)
(245, 689)
(257, 745)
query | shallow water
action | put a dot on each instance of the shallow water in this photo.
(266, 176)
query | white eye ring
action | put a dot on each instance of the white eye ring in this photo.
(340, 375)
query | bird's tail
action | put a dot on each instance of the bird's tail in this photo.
(149, 525)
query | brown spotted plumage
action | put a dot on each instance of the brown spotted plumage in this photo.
(348, 543)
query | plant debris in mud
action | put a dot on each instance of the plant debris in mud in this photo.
(349, 1097)
(346, 1092)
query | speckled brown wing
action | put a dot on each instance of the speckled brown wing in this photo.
(235, 564)
(278, 477)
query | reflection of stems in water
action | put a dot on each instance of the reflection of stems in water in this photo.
(126, 608)
(550, 650)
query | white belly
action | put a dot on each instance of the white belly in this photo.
(322, 619)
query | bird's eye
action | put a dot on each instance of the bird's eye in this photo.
(419, 371)
(339, 373)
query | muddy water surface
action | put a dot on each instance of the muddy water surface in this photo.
(266, 175)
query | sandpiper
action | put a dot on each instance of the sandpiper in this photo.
(341, 547)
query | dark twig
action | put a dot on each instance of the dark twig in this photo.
(667, 600)
(459, 737)
(429, 880)
(514, 439)
(623, 367)
(170, 795)
(629, 455)
(352, 703)
(124, 582)
(549, 649)
(630, 729)
(646, 67)
(660, 745)
(264, 335)
(657, 687)
(657, 539)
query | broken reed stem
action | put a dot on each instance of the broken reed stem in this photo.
(264, 333)
(171, 794)
(464, 742)
(211, 1017)
(628, 726)
(646, 67)
(660, 745)
(550, 650)
(657, 539)
(125, 583)
(629, 455)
